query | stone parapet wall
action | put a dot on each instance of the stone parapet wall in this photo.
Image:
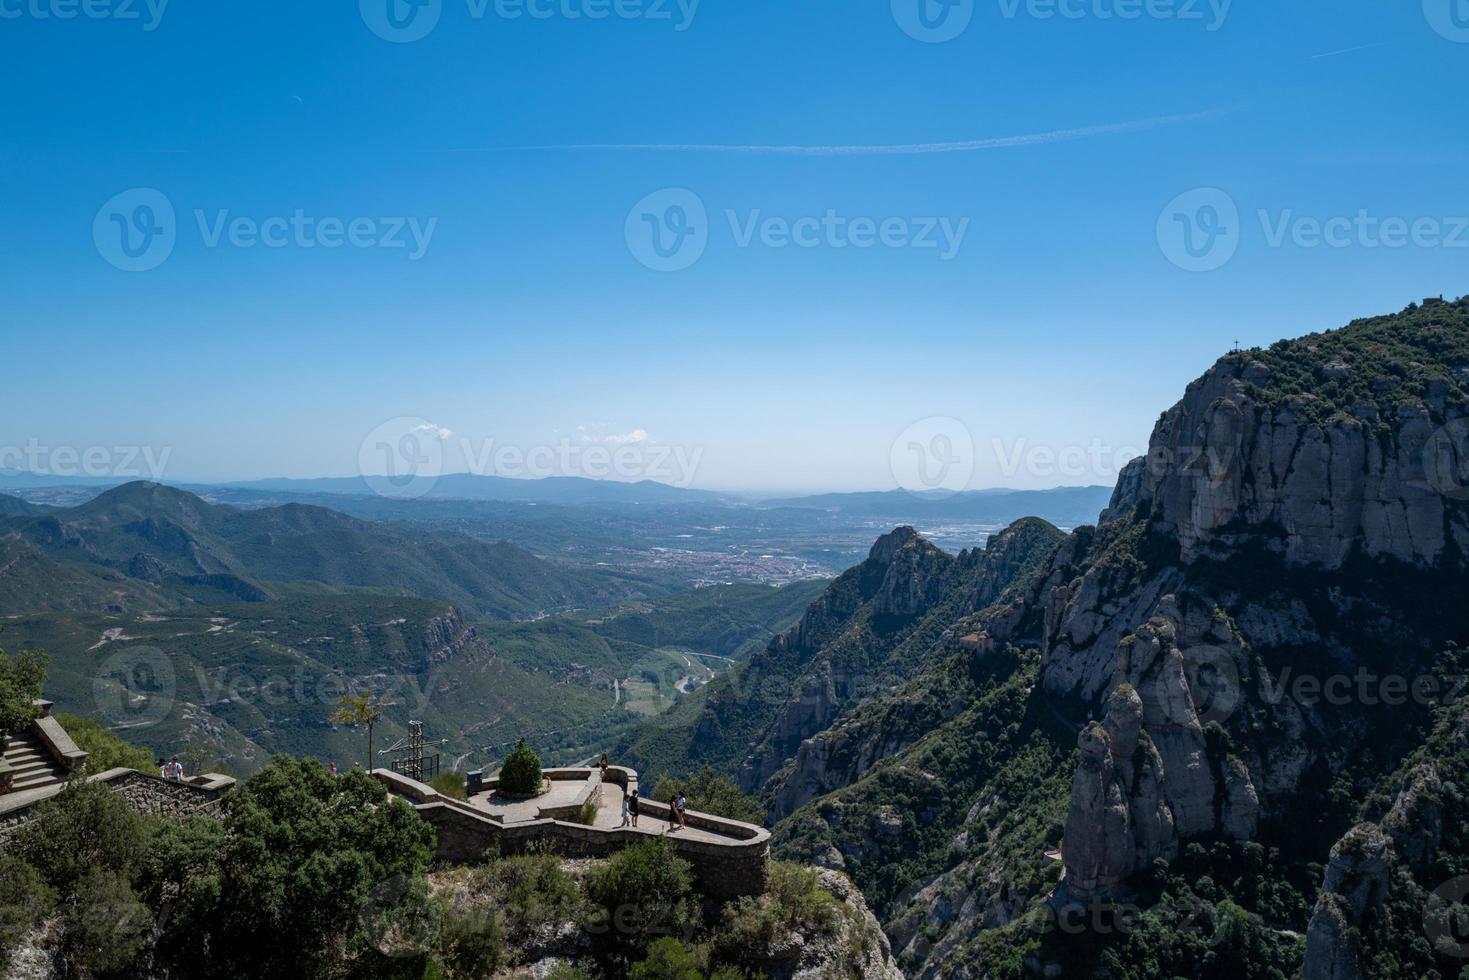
(724, 870)
(144, 792)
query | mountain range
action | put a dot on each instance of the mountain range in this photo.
(1214, 734)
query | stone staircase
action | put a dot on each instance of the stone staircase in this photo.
(31, 762)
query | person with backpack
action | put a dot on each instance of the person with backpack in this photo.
(631, 804)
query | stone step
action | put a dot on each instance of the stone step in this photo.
(34, 781)
(36, 766)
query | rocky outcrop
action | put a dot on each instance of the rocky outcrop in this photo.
(1119, 818)
(1228, 462)
(856, 948)
(1355, 884)
(914, 573)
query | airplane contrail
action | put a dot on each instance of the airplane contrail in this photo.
(956, 146)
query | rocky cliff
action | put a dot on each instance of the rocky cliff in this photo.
(1254, 633)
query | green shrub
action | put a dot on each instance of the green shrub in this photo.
(24, 899)
(472, 944)
(21, 680)
(107, 926)
(105, 750)
(667, 959)
(586, 814)
(450, 784)
(643, 891)
(567, 971)
(521, 772)
(532, 891)
(84, 828)
(310, 865)
(794, 901)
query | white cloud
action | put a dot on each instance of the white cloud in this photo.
(438, 430)
(614, 439)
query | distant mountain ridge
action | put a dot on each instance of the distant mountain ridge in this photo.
(1060, 505)
(471, 486)
(164, 536)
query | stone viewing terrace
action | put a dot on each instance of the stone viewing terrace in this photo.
(730, 858)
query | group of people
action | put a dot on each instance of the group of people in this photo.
(632, 804)
(172, 770)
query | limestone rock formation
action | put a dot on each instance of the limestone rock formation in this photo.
(1355, 882)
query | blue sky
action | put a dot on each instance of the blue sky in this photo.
(519, 147)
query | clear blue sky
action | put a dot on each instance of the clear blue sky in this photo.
(1059, 321)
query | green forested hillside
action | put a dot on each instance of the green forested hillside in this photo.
(173, 539)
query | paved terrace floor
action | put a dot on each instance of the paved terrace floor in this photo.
(609, 814)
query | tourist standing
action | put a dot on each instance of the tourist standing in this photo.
(334, 767)
(162, 768)
(633, 803)
(175, 770)
(672, 812)
(603, 765)
(679, 804)
(625, 808)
